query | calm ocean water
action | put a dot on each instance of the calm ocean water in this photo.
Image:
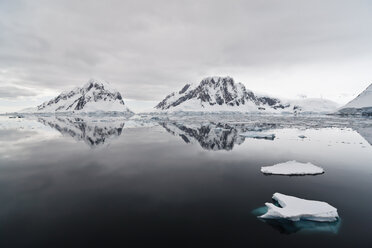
(181, 182)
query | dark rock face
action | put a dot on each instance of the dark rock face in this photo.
(184, 88)
(218, 91)
(93, 91)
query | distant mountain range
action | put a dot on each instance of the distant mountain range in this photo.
(361, 105)
(216, 94)
(94, 96)
(212, 94)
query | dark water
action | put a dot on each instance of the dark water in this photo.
(69, 182)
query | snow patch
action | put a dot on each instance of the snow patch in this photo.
(362, 104)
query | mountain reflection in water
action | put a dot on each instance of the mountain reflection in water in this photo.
(210, 135)
(93, 132)
(213, 136)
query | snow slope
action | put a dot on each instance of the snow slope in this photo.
(92, 97)
(362, 104)
(363, 100)
(313, 105)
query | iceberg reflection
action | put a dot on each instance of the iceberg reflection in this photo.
(289, 227)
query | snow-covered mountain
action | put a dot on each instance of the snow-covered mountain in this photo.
(361, 105)
(216, 94)
(94, 96)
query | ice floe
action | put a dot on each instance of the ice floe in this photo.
(289, 227)
(296, 209)
(292, 168)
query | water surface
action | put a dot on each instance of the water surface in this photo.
(178, 182)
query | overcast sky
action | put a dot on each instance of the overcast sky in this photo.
(147, 49)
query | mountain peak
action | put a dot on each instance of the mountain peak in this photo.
(218, 79)
(98, 84)
(217, 94)
(95, 95)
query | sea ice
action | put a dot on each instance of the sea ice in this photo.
(292, 168)
(296, 209)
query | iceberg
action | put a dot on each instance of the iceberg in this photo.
(292, 168)
(297, 209)
(258, 135)
(290, 227)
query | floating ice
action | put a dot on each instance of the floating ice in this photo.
(302, 136)
(296, 209)
(292, 168)
(289, 227)
(258, 135)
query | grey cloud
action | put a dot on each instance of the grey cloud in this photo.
(148, 48)
(14, 92)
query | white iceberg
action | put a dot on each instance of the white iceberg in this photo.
(292, 168)
(296, 209)
(258, 135)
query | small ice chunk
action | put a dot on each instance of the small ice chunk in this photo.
(302, 136)
(292, 168)
(220, 129)
(296, 209)
(258, 135)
